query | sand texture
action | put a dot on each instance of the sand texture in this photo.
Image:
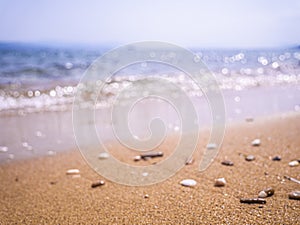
(38, 191)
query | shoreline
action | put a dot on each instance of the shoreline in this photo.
(39, 191)
(27, 135)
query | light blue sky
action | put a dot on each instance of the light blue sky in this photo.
(209, 23)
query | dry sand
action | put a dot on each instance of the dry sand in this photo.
(38, 191)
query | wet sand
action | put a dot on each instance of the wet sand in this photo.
(38, 191)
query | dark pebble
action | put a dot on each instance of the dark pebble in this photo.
(294, 195)
(152, 155)
(266, 192)
(189, 161)
(253, 200)
(270, 191)
(97, 183)
(276, 158)
(227, 163)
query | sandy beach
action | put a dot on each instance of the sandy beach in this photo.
(140, 113)
(38, 191)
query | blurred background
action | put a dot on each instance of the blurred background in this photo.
(252, 47)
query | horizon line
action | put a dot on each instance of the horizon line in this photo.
(114, 44)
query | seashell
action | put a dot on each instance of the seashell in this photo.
(266, 193)
(256, 142)
(188, 183)
(250, 158)
(73, 171)
(211, 146)
(3, 149)
(137, 158)
(262, 194)
(293, 163)
(103, 155)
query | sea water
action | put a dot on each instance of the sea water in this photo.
(44, 78)
(38, 84)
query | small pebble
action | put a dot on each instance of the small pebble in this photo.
(256, 142)
(262, 194)
(220, 182)
(292, 179)
(29, 148)
(188, 183)
(211, 146)
(294, 195)
(146, 196)
(51, 153)
(25, 144)
(39, 133)
(103, 155)
(3, 149)
(250, 158)
(97, 183)
(152, 155)
(73, 171)
(276, 158)
(145, 174)
(227, 163)
(137, 158)
(266, 193)
(293, 163)
(249, 119)
(253, 200)
(189, 161)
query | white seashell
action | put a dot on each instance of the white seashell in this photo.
(256, 142)
(293, 163)
(51, 153)
(103, 155)
(3, 149)
(137, 158)
(25, 144)
(188, 183)
(262, 194)
(145, 174)
(220, 182)
(38, 133)
(73, 171)
(211, 146)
